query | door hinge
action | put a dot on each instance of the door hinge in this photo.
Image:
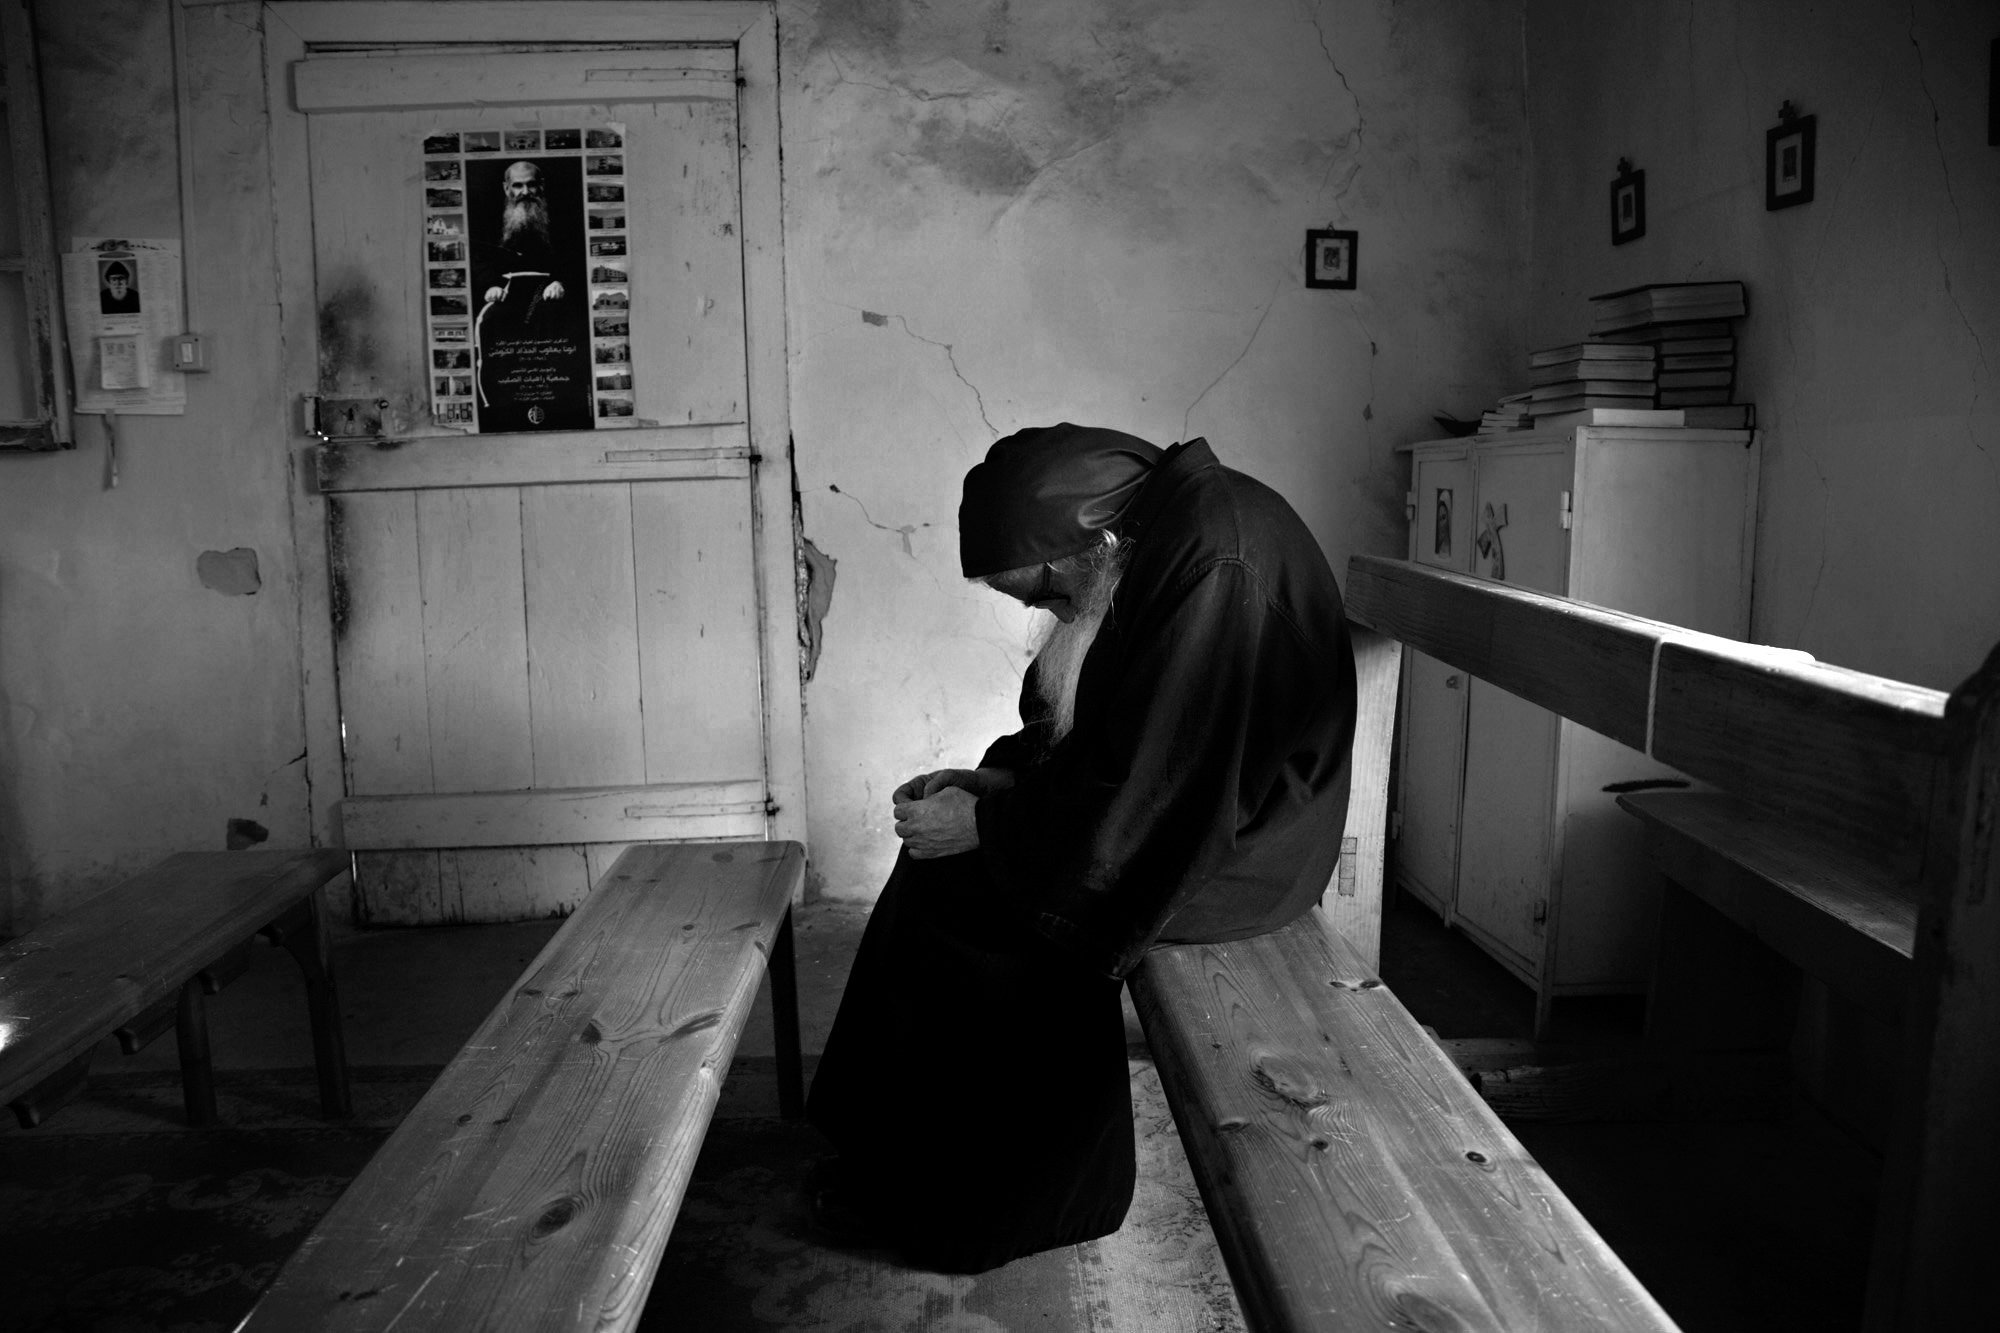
(1541, 910)
(1566, 514)
(1410, 506)
(1395, 825)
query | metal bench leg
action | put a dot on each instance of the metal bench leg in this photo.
(303, 932)
(785, 1023)
(197, 1071)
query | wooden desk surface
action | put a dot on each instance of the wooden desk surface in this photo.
(65, 985)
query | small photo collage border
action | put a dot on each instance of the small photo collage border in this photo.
(448, 272)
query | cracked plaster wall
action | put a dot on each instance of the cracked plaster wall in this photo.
(139, 710)
(1012, 212)
(1874, 326)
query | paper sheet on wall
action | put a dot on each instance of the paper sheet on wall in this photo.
(122, 300)
(528, 276)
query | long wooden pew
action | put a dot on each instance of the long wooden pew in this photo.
(1353, 1177)
(142, 957)
(1834, 784)
(534, 1185)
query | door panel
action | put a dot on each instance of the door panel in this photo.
(379, 620)
(474, 636)
(1439, 530)
(1504, 877)
(1433, 747)
(583, 649)
(574, 614)
(691, 551)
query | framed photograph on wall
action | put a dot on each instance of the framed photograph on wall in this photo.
(1788, 159)
(1628, 203)
(1331, 258)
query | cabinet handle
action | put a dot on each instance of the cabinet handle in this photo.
(1451, 682)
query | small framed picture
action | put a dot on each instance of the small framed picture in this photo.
(1788, 159)
(1628, 204)
(1331, 259)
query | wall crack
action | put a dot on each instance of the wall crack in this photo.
(871, 317)
(1270, 303)
(906, 531)
(1951, 195)
(1355, 139)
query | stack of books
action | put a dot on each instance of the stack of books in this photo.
(1665, 303)
(1595, 373)
(1514, 412)
(1686, 326)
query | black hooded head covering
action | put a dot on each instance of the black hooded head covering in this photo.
(1046, 493)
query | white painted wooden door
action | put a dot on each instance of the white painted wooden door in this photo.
(547, 641)
(1510, 744)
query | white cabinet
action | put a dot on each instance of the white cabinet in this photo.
(1508, 826)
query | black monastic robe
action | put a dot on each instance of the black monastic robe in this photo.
(975, 1079)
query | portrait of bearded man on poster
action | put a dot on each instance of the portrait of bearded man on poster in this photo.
(524, 219)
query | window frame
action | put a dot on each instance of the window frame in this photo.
(51, 426)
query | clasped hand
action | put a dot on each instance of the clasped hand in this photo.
(935, 812)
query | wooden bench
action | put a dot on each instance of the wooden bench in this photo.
(1353, 1177)
(534, 1185)
(140, 958)
(1854, 833)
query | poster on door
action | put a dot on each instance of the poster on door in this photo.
(527, 278)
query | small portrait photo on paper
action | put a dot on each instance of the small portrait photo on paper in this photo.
(118, 286)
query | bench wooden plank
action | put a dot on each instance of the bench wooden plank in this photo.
(1800, 737)
(534, 1185)
(1589, 664)
(1933, 1239)
(1353, 1177)
(75, 979)
(1838, 916)
(1353, 900)
(1808, 740)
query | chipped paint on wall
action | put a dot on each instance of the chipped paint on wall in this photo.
(233, 571)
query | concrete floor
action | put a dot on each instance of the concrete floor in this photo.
(1732, 1226)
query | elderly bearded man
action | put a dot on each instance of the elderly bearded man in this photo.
(1180, 775)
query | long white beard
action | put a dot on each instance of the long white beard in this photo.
(529, 215)
(1059, 660)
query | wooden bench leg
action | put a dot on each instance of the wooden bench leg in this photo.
(35, 1105)
(197, 1069)
(785, 1022)
(303, 932)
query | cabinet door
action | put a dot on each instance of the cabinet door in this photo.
(1433, 753)
(1440, 530)
(1510, 745)
(1433, 693)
